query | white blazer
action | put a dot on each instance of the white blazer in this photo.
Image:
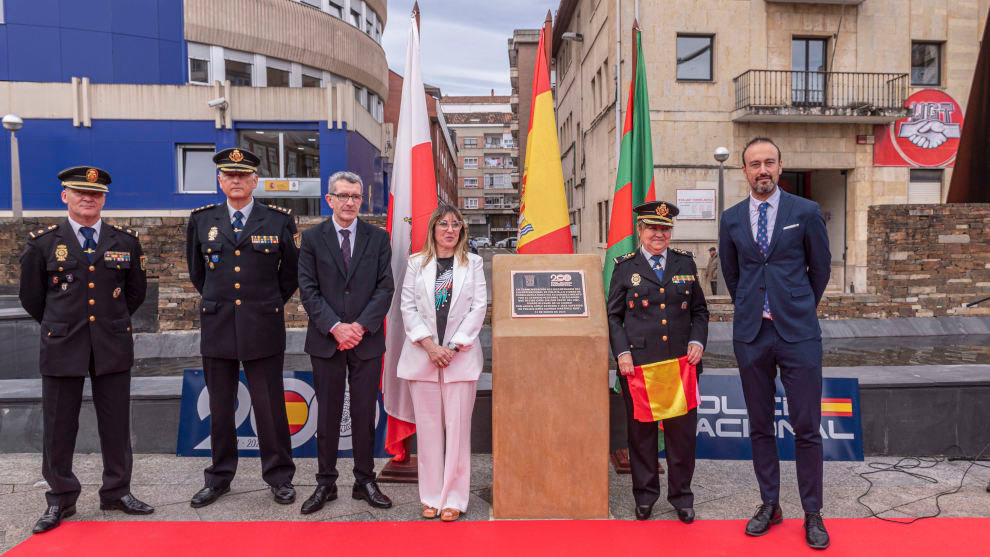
(465, 317)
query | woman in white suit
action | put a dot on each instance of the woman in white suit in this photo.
(444, 301)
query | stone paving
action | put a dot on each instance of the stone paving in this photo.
(723, 490)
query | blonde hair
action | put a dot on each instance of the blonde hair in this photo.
(429, 250)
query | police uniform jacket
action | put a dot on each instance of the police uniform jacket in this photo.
(656, 320)
(244, 282)
(84, 308)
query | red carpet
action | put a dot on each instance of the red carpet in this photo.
(946, 536)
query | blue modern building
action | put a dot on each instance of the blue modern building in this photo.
(149, 89)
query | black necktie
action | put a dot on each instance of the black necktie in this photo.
(238, 224)
(345, 249)
(89, 245)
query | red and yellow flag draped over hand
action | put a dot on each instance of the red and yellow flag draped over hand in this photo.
(544, 225)
(634, 177)
(663, 390)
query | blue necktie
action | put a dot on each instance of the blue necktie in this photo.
(89, 245)
(657, 268)
(238, 224)
(764, 243)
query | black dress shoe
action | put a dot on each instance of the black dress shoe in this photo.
(284, 494)
(370, 493)
(767, 515)
(685, 515)
(207, 495)
(322, 495)
(53, 517)
(643, 512)
(814, 531)
(129, 504)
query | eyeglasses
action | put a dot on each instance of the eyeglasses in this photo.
(456, 225)
(345, 197)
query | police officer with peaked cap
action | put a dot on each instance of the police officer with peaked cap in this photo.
(82, 279)
(243, 260)
(657, 312)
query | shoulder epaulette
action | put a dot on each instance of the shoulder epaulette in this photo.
(281, 209)
(203, 208)
(130, 231)
(682, 252)
(625, 257)
(42, 231)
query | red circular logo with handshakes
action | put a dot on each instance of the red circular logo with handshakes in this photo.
(930, 135)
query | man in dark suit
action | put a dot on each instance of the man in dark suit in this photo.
(656, 312)
(82, 279)
(345, 282)
(243, 260)
(776, 263)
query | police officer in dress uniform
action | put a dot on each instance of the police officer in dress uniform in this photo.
(656, 312)
(243, 260)
(82, 279)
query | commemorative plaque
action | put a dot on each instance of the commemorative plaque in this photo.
(548, 294)
(549, 357)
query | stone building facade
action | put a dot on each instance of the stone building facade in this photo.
(831, 82)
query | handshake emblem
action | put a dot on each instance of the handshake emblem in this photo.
(930, 126)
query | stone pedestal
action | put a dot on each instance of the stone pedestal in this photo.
(549, 399)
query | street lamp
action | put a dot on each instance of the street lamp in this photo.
(13, 123)
(721, 155)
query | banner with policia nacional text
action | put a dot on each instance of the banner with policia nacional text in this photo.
(300, 405)
(723, 424)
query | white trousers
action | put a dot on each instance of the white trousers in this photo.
(443, 441)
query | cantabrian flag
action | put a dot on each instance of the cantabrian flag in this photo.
(544, 225)
(663, 390)
(634, 182)
(412, 198)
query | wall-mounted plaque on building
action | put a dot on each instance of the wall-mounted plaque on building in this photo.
(548, 294)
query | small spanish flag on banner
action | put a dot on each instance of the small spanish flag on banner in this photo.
(837, 407)
(663, 390)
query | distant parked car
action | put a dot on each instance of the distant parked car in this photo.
(506, 243)
(483, 242)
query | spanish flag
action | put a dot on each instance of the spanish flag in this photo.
(663, 390)
(544, 225)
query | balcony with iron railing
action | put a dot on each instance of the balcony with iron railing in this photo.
(824, 97)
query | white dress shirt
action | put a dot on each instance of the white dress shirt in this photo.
(773, 203)
(246, 211)
(82, 239)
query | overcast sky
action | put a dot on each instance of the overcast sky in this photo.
(464, 43)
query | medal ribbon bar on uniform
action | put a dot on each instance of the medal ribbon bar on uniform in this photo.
(682, 278)
(117, 256)
(264, 239)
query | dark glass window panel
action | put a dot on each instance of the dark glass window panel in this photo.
(926, 62)
(310, 81)
(238, 73)
(694, 58)
(199, 70)
(277, 77)
(302, 154)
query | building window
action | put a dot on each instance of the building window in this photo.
(311, 81)
(926, 64)
(808, 69)
(694, 57)
(284, 154)
(603, 217)
(196, 171)
(925, 186)
(336, 10)
(470, 142)
(199, 71)
(356, 18)
(470, 162)
(277, 77)
(238, 73)
(470, 202)
(318, 4)
(471, 182)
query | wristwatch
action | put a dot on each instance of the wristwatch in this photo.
(453, 347)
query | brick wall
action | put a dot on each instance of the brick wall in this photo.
(924, 261)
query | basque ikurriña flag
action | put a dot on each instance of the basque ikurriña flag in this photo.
(663, 390)
(544, 225)
(634, 182)
(412, 198)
